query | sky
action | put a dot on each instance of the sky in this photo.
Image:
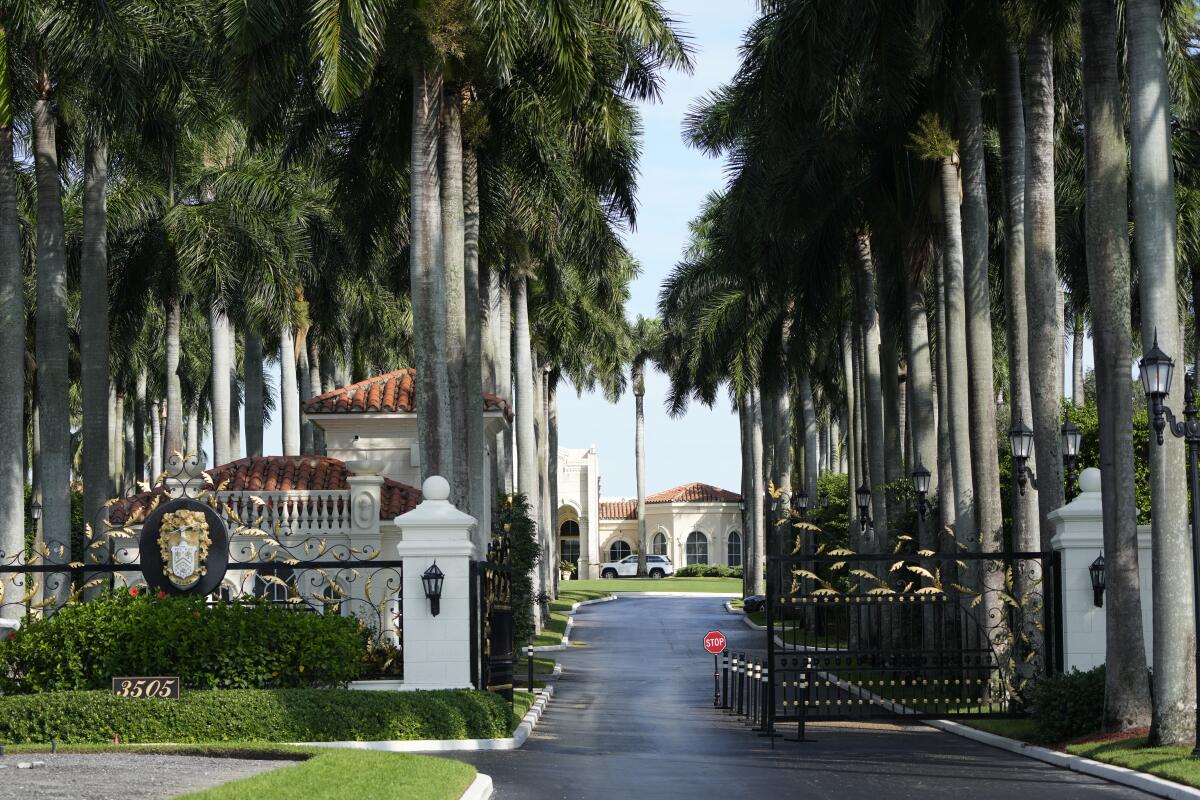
(703, 444)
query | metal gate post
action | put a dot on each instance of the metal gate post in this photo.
(725, 680)
(473, 594)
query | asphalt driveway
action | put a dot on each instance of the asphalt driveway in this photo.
(633, 718)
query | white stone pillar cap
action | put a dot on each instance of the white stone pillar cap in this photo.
(435, 509)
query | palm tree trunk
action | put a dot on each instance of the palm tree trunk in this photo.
(219, 333)
(868, 323)
(312, 388)
(173, 435)
(1154, 214)
(1127, 689)
(253, 358)
(853, 451)
(235, 398)
(893, 434)
(427, 279)
(289, 395)
(527, 467)
(756, 562)
(957, 385)
(93, 329)
(118, 446)
(639, 459)
(12, 346)
(1041, 285)
(156, 441)
(503, 331)
(808, 415)
(545, 535)
(945, 469)
(474, 291)
(1078, 393)
(461, 388)
(920, 382)
(51, 347)
(193, 424)
(748, 532)
(139, 427)
(128, 477)
(985, 470)
(552, 472)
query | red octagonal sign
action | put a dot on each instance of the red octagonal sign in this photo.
(714, 642)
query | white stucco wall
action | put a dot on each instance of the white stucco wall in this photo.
(676, 520)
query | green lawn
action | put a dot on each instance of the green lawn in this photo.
(322, 774)
(1172, 763)
(329, 774)
(1024, 730)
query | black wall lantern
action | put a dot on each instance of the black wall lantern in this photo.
(35, 511)
(921, 478)
(1020, 443)
(432, 579)
(800, 503)
(863, 497)
(823, 498)
(1096, 570)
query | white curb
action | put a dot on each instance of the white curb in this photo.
(480, 788)
(528, 723)
(1151, 784)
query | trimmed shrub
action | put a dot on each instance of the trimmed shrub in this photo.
(512, 520)
(1070, 705)
(244, 645)
(254, 715)
(708, 571)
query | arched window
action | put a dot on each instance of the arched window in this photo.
(618, 550)
(658, 547)
(697, 548)
(733, 552)
(568, 541)
(569, 528)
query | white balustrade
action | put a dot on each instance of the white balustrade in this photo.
(288, 514)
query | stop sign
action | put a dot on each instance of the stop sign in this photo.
(714, 642)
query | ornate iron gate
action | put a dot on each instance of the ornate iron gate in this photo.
(492, 620)
(853, 636)
(322, 574)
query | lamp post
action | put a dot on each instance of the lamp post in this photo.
(800, 504)
(1156, 369)
(823, 498)
(1020, 444)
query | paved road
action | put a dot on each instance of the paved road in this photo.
(632, 718)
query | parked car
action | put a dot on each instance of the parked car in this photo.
(753, 603)
(656, 567)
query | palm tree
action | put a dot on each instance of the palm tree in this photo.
(12, 337)
(1154, 213)
(646, 342)
(1127, 687)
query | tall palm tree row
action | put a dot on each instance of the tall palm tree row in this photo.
(857, 142)
(219, 184)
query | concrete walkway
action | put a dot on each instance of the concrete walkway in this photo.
(633, 718)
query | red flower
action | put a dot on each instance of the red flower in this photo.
(133, 592)
(161, 595)
(12, 635)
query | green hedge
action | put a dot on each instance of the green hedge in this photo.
(254, 715)
(250, 645)
(1070, 705)
(708, 571)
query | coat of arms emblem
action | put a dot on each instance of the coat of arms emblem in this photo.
(184, 540)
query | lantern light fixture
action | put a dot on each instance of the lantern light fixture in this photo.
(431, 580)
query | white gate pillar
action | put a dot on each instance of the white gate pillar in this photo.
(437, 650)
(1079, 539)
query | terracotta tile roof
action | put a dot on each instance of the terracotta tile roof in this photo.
(688, 493)
(280, 474)
(392, 392)
(695, 493)
(618, 509)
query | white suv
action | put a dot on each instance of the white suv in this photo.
(656, 567)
